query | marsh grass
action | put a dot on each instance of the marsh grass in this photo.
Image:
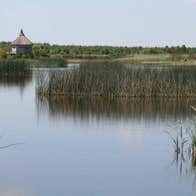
(47, 62)
(179, 140)
(24, 65)
(118, 80)
(184, 142)
(193, 136)
(160, 59)
(14, 66)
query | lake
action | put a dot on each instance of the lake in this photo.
(89, 146)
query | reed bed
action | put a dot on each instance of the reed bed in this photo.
(193, 135)
(184, 142)
(13, 66)
(47, 62)
(117, 80)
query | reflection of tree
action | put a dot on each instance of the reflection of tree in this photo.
(85, 107)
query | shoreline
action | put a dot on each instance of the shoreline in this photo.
(136, 59)
(140, 59)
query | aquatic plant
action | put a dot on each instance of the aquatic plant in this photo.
(47, 62)
(14, 66)
(179, 140)
(117, 80)
(194, 108)
(185, 153)
(193, 135)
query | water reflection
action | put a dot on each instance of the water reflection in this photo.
(19, 81)
(61, 154)
(15, 80)
(185, 166)
(86, 108)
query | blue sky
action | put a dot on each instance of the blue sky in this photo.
(101, 22)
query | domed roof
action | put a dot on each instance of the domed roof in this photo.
(22, 40)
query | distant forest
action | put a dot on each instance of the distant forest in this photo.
(100, 52)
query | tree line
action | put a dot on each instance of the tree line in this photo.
(79, 52)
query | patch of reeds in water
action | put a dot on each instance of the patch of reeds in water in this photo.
(193, 137)
(117, 80)
(48, 63)
(184, 142)
(13, 66)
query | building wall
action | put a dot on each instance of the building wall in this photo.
(21, 49)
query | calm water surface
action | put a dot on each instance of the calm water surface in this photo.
(88, 147)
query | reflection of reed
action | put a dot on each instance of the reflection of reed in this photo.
(18, 80)
(10, 145)
(114, 108)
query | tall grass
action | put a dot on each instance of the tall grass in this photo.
(117, 80)
(13, 66)
(184, 142)
(193, 135)
(47, 62)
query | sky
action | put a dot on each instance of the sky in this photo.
(101, 22)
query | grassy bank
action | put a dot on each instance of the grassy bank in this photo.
(118, 80)
(174, 55)
(21, 64)
(159, 59)
(47, 62)
(146, 59)
(134, 59)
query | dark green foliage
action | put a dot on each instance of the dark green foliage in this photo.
(105, 52)
(14, 66)
(47, 62)
(98, 52)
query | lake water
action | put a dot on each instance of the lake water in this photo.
(89, 147)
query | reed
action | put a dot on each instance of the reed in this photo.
(184, 142)
(116, 80)
(13, 66)
(47, 62)
(179, 140)
(193, 136)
